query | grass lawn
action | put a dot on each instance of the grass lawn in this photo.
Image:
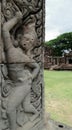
(58, 95)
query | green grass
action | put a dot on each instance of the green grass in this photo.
(58, 95)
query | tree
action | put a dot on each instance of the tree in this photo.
(62, 42)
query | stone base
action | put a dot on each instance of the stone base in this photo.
(48, 124)
(52, 125)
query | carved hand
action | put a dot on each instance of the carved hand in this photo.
(19, 15)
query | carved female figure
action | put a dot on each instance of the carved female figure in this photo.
(20, 76)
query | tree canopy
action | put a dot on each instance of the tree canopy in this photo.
(62, 42)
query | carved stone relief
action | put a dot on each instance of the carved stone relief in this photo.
(21, 62)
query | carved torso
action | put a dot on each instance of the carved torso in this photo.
(18, 73)
(16, 55)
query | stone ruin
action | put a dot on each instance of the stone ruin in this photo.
(57, 62)
(21, 64)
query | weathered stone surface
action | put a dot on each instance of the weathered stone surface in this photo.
(53, 125)
(0, 92)
(21, 49)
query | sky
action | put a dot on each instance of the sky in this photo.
(58, 19)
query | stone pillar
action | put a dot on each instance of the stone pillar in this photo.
(58, 60)
(22, 87)
(54, 60)
(67, 60)
(0, 61)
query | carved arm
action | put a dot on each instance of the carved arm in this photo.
(35, 69)
(7, 26)
(11, 23)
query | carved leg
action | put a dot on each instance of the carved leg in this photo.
(28, 107)
(15, 99)
(12, 119)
